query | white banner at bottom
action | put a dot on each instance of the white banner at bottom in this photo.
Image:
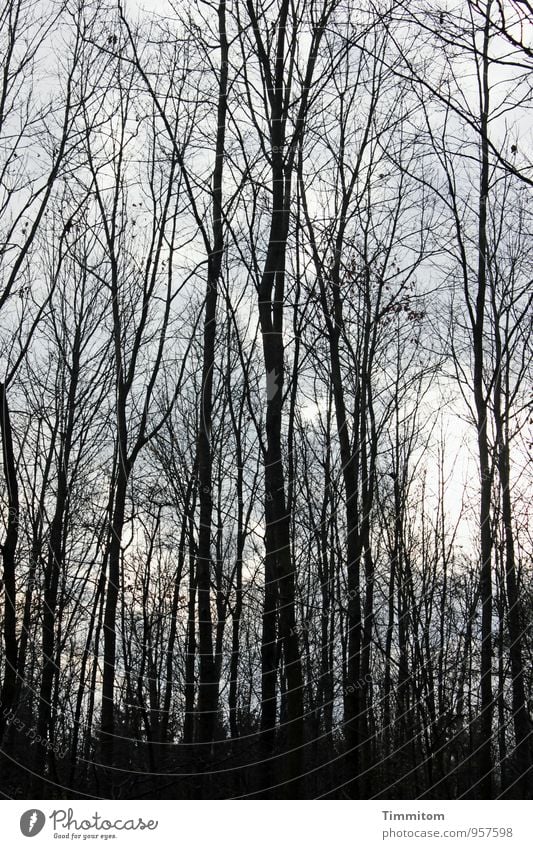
(267, 824)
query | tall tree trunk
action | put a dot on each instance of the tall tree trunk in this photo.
(237, 609)
(169, 663)
(208, 683)
(485, 771)
(521, 721)
(9, 548)
(107, 727)
(189, 729)
(279, 567)
(54, 567)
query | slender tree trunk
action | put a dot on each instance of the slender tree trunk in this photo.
(9, 548)
(208, 683)
(107, 729)
(485, 786)
(521, 721)
(76, 722)
(169, 663)
(53, 569)
(237, 609)
(189, 730)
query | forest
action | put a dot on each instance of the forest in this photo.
(265, 363)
